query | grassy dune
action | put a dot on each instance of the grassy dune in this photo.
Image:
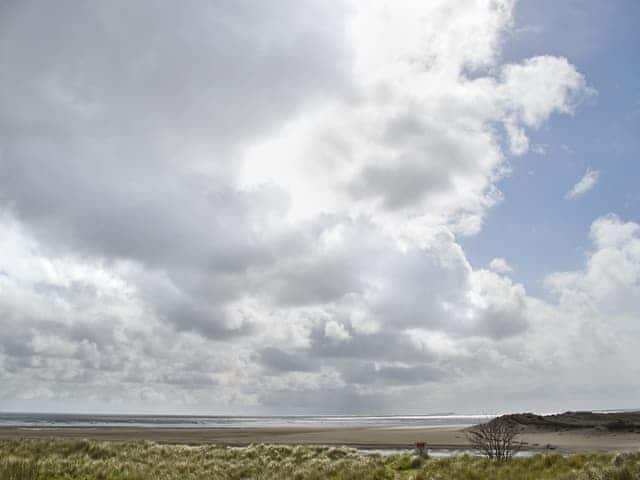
(608, 422)
(67, 459)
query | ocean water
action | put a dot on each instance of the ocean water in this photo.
(184, 421)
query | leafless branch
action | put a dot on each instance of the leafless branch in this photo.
(496, 439)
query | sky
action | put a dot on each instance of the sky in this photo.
(312, 207)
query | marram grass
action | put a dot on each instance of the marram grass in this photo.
(89, 460)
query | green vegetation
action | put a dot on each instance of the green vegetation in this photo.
(83, 459)
(613, 421)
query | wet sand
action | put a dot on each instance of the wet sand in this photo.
(449, 437)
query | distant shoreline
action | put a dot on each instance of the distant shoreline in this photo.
(231, 421)
(565, 433)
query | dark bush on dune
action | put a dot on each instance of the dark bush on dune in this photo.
(620, 426)
(614, 421)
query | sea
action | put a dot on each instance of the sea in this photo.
(223, 421)
(44, 420)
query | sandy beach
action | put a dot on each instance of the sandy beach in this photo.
(449, 437)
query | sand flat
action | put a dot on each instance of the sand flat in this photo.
(449, 437)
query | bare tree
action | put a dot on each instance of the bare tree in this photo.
(496, 439)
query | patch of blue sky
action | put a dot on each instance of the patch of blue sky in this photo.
(536, 228)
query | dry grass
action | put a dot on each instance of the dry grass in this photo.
(66, 459)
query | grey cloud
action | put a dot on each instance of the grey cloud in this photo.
(311, 273)
(426, 160)
(78, 200)
(17, 345)
(99, 332)
(188, 380)
(281, 361)
(401, 185)
(369, 374)
(194, 301)
(205, 320)
(499, 323)
(388, 344)
(340, 400)
(117, 218)
(318, 281)
(121, 125)
(221, 69)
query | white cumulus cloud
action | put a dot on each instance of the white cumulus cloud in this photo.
(500, 265)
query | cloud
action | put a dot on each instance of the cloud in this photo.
(281, 361)
(336, 331)
(609, 282)
(500, 265)
(586, 183)
(393, 375)
(232, 208)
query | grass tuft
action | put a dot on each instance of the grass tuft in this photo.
(89, 460)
